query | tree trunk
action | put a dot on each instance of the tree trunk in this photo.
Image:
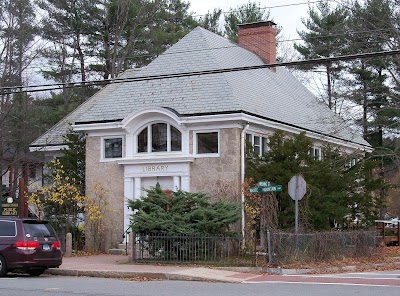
(329, 86)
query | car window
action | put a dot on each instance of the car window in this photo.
(38, 229)
(7, 228)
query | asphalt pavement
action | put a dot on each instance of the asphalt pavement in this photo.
(119, 266)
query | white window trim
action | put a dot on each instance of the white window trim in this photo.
(261, 137)
(203, 155)
(314, 148)
(103, 151)
(149, 139)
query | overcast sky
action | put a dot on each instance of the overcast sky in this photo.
(288, 17)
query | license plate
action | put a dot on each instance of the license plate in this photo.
(46, 247)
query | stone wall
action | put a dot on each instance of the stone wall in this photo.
(219, 176)
(110, 176)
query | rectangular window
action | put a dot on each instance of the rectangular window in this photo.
(113, 148)
(264, 146)
(249, 138)
(36, 228)
(207, 143)
(259, 144)
(7, 228)
(315, 152)
(257, 147)
(32, 171)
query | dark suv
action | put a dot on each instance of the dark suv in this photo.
(28, 245)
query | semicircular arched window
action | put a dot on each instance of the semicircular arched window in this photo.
(159, 137)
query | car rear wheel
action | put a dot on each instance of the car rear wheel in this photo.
(35, 272)
(3, 267)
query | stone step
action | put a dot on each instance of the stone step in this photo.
(121, 246)
(116, 252)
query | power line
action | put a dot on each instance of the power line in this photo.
(270, 7)
(59, 86)
(344, 34)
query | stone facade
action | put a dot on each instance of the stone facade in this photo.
(110, 176)
(219, 175)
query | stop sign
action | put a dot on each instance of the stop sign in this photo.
(297, 187)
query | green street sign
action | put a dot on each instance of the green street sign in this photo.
(266, 189)
(272, 188)
(254, 189)
(264, 183)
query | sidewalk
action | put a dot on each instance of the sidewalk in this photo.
(118, 266)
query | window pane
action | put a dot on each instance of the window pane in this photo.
(7, 228)
(257, 149)
(264, 146)
(142, 141)
(207, 143)
(113, 148)
(159, 137)
(176, 139)
(317, 153)
(248, 138)
(39, 229)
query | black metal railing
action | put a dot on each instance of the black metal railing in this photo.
(280, 248)
(219, 250)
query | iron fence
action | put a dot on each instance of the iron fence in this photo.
(201, 249)
(280, 248)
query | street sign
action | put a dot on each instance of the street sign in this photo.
(297, 187)
(254, 189)
(266, 189)
(272, 188)
(264, 183)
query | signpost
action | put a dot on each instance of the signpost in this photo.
(297, 187)
(264, 187)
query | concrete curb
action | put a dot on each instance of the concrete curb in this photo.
(132, 274)
(209, 276)
(302, 271)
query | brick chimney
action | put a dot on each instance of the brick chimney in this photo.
(259, 38)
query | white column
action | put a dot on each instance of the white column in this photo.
(177, 183)
(128, 194)
(185, 183)
(138, 188)
(129, 145)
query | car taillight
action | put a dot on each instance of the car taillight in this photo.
(56, 245)
(27, 245)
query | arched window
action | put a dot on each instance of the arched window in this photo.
(159, 137)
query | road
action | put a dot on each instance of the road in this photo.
(365, 284)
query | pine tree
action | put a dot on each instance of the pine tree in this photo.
(340, 187)
(323, 39)
(181, 213)
(210, 21)
(74, 158)
(246, 13)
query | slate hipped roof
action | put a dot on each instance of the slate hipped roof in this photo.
(273, 95)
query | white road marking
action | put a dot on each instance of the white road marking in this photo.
(316, 283)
